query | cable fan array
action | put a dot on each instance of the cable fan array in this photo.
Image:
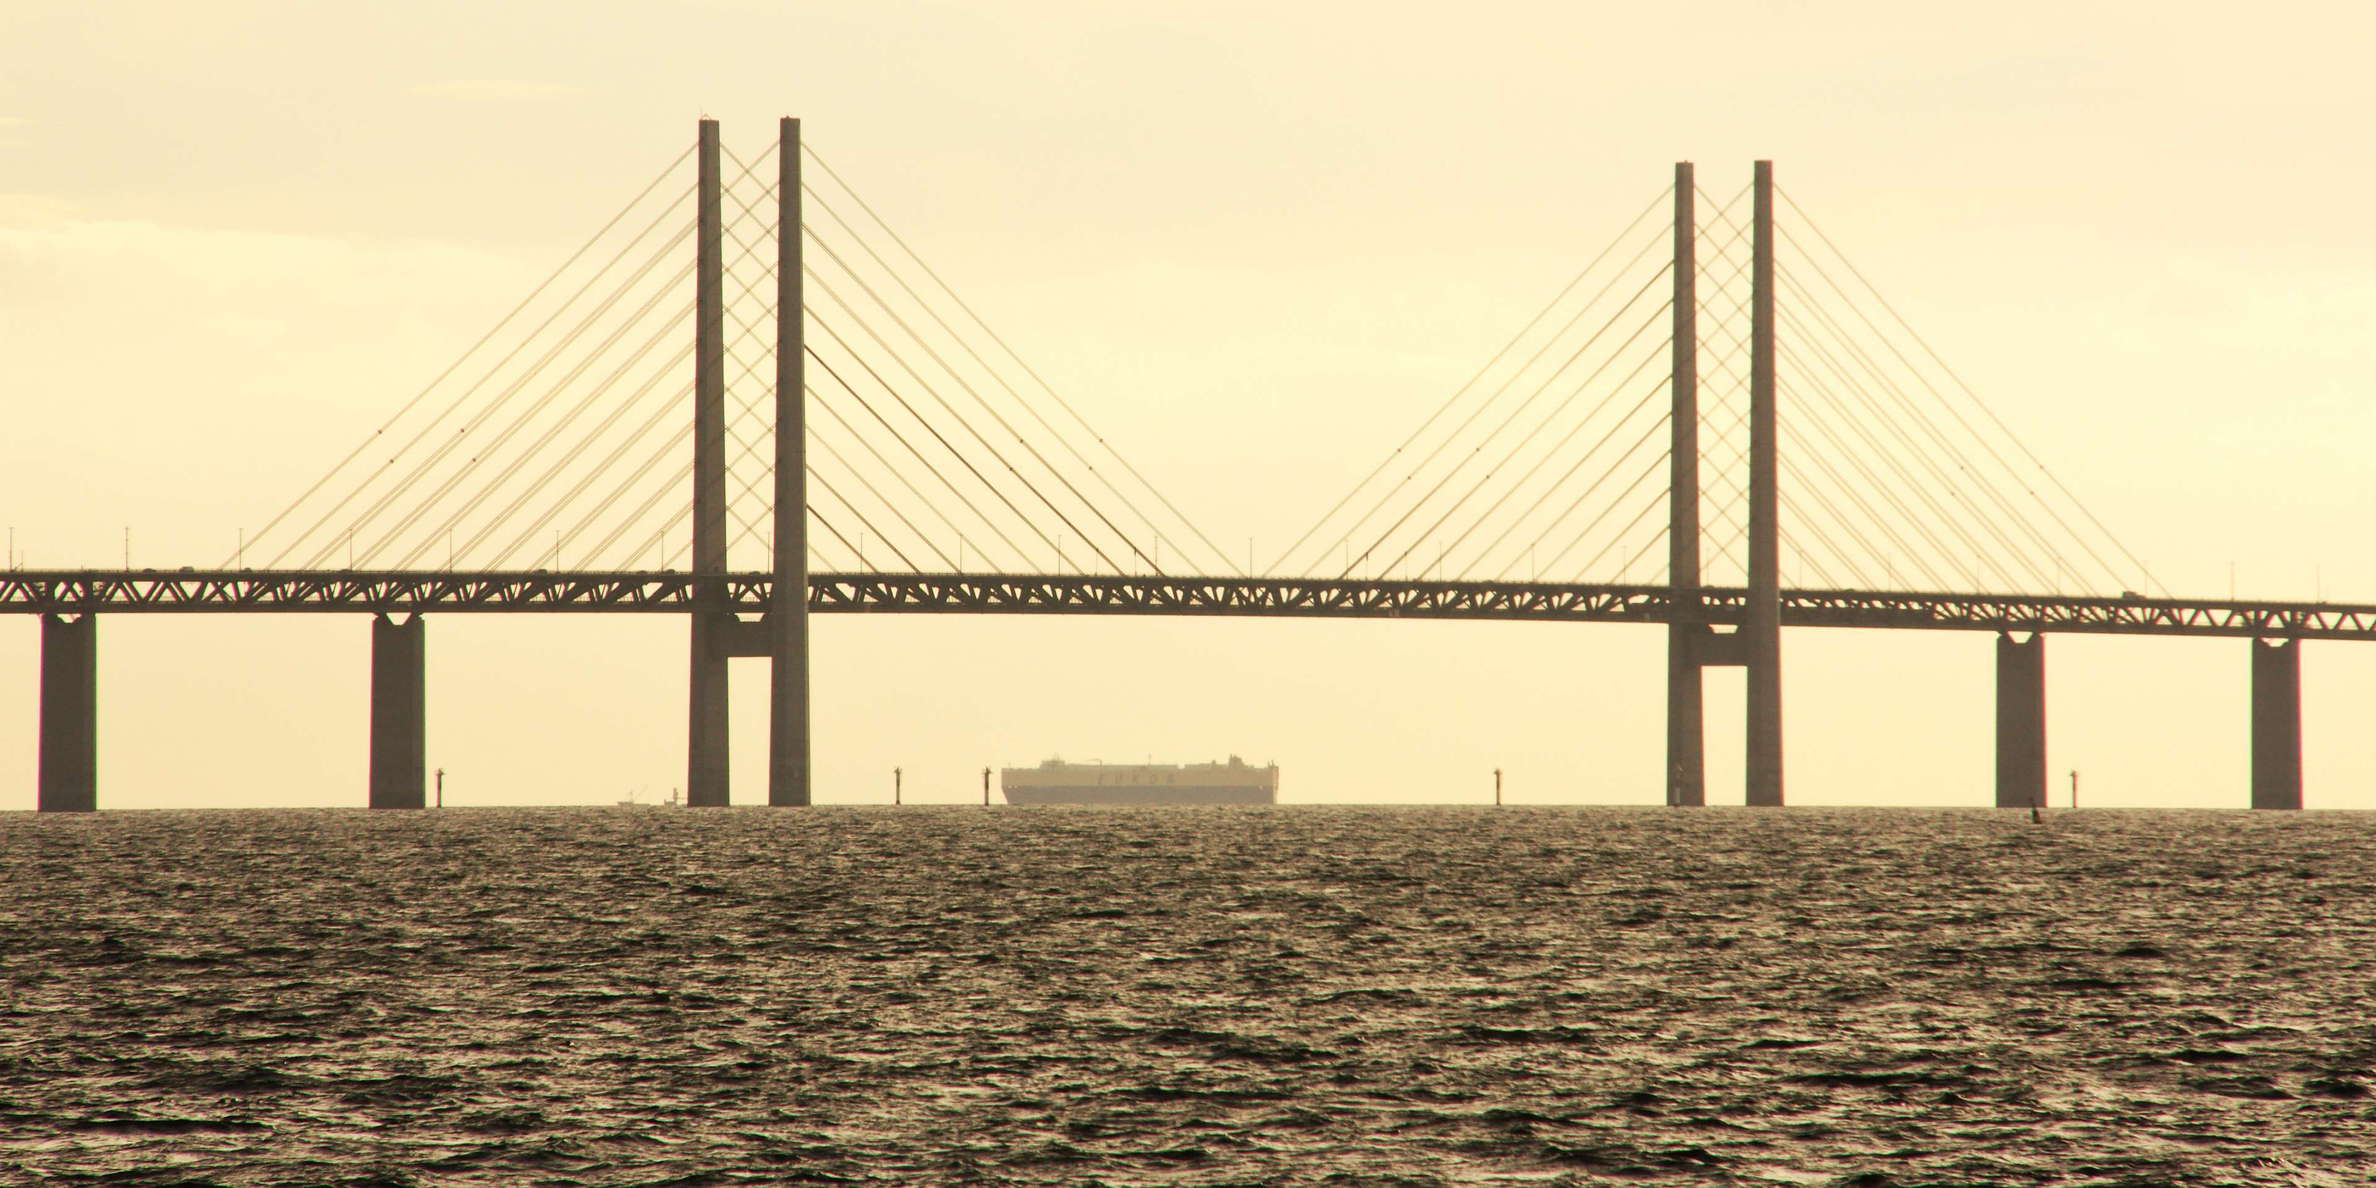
(562, 439)
(1894, 473)
(1552, 462)
(1548, 464)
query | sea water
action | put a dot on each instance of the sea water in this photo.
(1288, 995)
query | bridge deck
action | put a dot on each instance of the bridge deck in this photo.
(281, 592)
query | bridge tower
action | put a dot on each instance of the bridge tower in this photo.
(1691, 644)
(718, 635)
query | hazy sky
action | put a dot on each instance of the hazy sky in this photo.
(1254, 242)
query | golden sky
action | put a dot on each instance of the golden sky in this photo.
(1256, 243)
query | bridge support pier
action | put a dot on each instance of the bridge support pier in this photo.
(2277, 724)
(2021, 721)
(399, 717)
(69, 777)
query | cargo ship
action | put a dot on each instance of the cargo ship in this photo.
(1058, 782)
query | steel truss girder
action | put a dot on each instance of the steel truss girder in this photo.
(34, 592)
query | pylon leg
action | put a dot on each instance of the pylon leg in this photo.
(1687, 769)
(706, 780)
(1761, 625)
(1687, 773)
(713, 621)
(787, 613)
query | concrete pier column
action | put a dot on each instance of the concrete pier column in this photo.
(2021, 721)
(399, 714)
(1761, 628)
(787, 610)
(2277, 724)
(69, 777)
(1687, 772)
(706, 739)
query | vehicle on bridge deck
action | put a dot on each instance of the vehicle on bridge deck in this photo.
(1058, 782)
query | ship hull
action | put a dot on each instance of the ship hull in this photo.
(1156, 795)
(1058, 782)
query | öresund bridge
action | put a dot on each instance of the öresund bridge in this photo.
(909, 462)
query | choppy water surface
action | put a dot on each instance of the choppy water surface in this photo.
(1253, 996)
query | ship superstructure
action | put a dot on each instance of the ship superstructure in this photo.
(1058, 782)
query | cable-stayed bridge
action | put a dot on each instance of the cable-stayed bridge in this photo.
(746, 400)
